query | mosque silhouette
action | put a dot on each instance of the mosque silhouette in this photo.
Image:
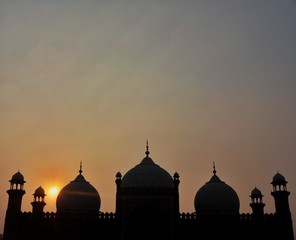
(147, 207)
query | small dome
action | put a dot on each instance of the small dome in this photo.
(216, 197)
(39, 192)
(118, 175)
(17, 178)
(147, 174)
(78, 195)
(256, 193)
(278, 179)
(176, 175)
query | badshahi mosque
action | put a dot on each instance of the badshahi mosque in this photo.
(147, 207)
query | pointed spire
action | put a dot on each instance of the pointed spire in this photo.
(147, 149)
(80, 168)
(214, 168)
(215, 178)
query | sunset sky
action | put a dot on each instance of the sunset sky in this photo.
(204, 81)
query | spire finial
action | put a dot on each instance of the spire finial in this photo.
(147, 149)
(214, 168)
(80, 168)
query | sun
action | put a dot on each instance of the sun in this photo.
(53, 191)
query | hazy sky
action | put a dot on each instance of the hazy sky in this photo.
(203, 81)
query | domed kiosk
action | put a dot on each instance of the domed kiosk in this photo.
(78, 196)
(39, 192)
(279, 181)
(17, 180)
(256, 193)
(216, 197)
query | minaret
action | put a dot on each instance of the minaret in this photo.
(13, 212)
(176, 183)
(257, 204)
(118, 195)
(38, 203)
(282, 209)
(280, 194)
(16, 192)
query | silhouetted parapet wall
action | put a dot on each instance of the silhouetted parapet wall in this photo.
(107, 226)
(36, 226)
(27, 215)
(106, 216)
(187, 224)
(269, 215)
(53, 215)
(260, 228)
(250, 217)
(188, 216)
(245, 217)
(49, 215)
(45, 215)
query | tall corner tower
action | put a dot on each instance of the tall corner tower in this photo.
(282, 209)
(13, 212)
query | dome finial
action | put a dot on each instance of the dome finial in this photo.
(214, 168)
(147, 149)
(80, 168)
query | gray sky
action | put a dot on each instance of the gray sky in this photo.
(203, 81)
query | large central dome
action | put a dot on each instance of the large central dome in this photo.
(78, 195)
(147, 174)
